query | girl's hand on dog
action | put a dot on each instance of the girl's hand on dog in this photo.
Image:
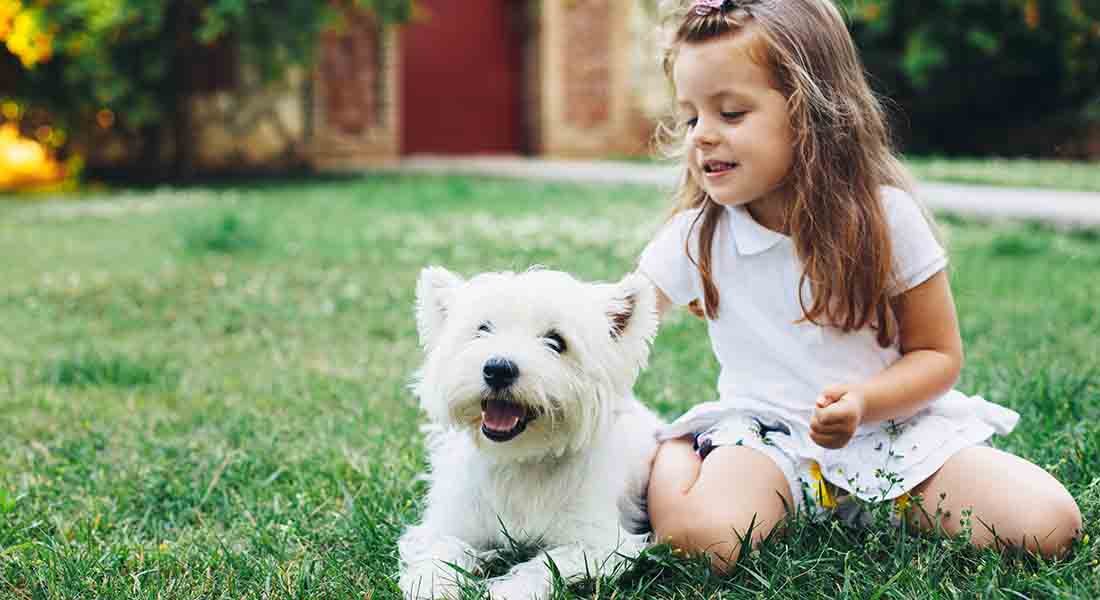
(837, 415)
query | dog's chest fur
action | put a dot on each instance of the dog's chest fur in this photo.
(534, 501)
(548, 501)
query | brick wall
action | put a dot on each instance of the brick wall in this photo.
(356, 98)
(588, 105)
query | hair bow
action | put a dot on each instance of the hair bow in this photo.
(706, 7)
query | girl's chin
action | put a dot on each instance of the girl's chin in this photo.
(722, 196)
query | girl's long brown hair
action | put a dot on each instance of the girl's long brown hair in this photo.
(842, 156)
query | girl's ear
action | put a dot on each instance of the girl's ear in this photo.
(632, 309)
(434, 293)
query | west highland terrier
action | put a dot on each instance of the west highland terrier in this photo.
(535, 436)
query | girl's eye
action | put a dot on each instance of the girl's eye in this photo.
(485, 327)
(733, 116)
(555, 342)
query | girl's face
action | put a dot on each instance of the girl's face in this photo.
(739, 134)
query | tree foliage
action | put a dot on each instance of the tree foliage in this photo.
(983, 76)
(126, 62)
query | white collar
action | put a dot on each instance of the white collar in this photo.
(749, 236)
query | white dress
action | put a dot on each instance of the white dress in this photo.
(773, 367)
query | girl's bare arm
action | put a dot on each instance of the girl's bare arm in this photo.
(932, 354)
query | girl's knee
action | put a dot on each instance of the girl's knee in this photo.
(1046, 524)
(1014, 502)
(1052, 520)
(720, 537)
(1051, 524)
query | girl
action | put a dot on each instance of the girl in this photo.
(827, 304)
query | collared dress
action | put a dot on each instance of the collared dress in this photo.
(774, 366)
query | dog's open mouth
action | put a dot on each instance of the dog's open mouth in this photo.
(502, 419)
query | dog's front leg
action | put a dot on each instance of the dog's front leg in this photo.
(532, 580)
(428, 561)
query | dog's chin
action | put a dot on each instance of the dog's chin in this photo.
(503, 418)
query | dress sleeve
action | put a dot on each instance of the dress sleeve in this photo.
(666, 263)
(918, 255)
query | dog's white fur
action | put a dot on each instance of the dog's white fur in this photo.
(574, 481)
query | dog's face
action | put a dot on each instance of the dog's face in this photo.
(531, 364)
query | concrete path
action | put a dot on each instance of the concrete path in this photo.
(1069, 209)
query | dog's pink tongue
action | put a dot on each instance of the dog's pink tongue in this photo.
(500, 415)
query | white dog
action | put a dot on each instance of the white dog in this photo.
(535, 434)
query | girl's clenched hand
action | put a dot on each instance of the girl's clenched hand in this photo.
(837, 415)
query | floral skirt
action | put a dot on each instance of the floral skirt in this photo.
(881, 462)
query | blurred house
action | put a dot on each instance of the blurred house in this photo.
(557, 78)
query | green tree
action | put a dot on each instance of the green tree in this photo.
(128, 61)
(983, 76)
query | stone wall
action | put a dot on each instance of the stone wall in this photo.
(255, 126)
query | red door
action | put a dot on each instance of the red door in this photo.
(462, 78)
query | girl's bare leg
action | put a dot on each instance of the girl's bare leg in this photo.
(1023, 504)
(703, 506)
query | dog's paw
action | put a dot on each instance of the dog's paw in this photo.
(511, 587)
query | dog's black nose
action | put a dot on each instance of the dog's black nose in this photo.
(499, 373)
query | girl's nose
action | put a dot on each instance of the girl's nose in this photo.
(702, 135)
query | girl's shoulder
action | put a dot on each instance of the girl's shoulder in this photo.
(894, 198)
(667, 259)
(914, 239)
(684, 218)
(682, 224)
(903, 211)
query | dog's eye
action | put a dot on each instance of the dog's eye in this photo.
(485, 327)
(555, 342)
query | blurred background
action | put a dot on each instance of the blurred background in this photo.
(166, 90)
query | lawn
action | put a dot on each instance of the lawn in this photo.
(1082, 176)
(203, 391)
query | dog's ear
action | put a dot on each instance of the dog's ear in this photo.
(434, 292)
(632, 309)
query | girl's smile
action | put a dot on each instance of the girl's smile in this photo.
(717, 168)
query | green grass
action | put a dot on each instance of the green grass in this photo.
(225, 233)
(92, 370)
(203, 392)
(1050, 174)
